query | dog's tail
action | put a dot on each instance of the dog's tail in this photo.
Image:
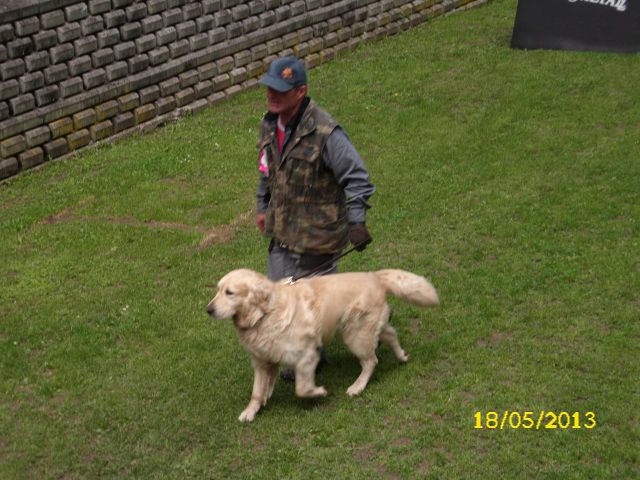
(409, 286)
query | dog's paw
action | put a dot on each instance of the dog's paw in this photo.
(247, 416)
(320, 392)
(404, 358)
(354, 390)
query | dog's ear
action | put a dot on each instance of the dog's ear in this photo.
(255, 305)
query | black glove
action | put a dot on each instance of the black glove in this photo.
(359, 236)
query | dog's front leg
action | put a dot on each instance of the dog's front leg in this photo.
(260, 394)
(305, 376)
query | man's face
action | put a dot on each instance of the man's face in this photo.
(285, 103)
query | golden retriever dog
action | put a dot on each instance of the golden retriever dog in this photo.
(285, 323)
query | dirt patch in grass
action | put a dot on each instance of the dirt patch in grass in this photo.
(215, 235)
(224, 233)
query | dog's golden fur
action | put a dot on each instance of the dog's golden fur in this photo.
(280, 323)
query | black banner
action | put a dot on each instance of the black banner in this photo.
(595, 25)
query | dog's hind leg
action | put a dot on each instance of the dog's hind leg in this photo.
(389, 337)
(368, 364)
(362, 343)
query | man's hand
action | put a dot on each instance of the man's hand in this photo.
(359, 236)
(260, 221)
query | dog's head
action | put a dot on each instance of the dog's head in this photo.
(242, 295)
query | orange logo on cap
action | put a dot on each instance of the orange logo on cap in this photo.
(287, 73)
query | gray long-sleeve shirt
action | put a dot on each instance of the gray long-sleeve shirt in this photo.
(348, 168)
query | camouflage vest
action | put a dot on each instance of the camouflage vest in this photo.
(307, 209)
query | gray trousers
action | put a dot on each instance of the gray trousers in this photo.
(284, 263)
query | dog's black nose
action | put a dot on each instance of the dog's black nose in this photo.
(210, 309)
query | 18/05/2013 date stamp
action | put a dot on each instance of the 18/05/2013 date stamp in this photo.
(529, 420)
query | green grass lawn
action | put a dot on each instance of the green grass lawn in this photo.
(510, 178)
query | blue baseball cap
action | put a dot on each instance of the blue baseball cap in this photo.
(284, 74)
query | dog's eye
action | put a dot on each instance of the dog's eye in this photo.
(228, 292)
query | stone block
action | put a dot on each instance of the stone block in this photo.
(76, 12)
(61, 127)
(116, 70)
(124, 51)
(37, 61)
(220, 82)
(205, 23)
(196, 106)
(69, 32)
(26, 27)
(171, 17)
(146, 43)
(138, 63)
(203, 89)
(12, 69)
(131, 31)
(198, 42)
(188, 79)
(191, 11)
(85, 45)
(108, 38)
(13, 145)
(115, 18)
(158, 56)
(225, 64)
(31, 81)
(238, 75)
(52, 19)
(56, 148)
(210, 6)
(151, 24)
(45, 40)
(31, 158)
(156, 6)
(136, 12)
(61, 53)
(101, 130)
(129, 101)
(107, 110)
(166, 36)
(91, 25)
(9, 89)
(145, 113)
(5, 112)
(37, 136)
(217, 35)
(71, 87)
(149, 94)
(179, 48)
(22, 103)
(79, 139)
(123, 122)
(242, 58)
(97, 7)
(184, 97)
(165, 105)
(207, 71)
(80, 65)
(186, 29)
(94, 78)
(267, 18)
(8, 167)
(84, 118)
(169, 87)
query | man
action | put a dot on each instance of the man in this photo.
(314, 188)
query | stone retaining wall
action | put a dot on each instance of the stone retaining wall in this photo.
(75, 72)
